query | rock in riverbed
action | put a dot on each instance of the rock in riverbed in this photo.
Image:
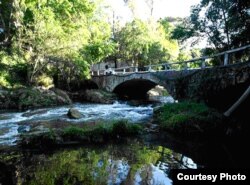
(35, 97)
(74, 114)
(95, 96)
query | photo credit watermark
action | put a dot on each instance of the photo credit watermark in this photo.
(210, 176)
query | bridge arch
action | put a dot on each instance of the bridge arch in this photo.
(135, 85)
(134, 88)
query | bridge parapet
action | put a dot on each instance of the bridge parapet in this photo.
(196, 63)
(215, 85)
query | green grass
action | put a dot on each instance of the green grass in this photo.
(107, 130)
(187, 117)
(98, 133)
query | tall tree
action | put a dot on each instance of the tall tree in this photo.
(145, 43)
(9, 21)
(53, 31)
(223, 22)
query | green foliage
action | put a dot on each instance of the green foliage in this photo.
(6, 25)
(49, 36)
(123, 128)
(25, 98)
(34, 98)
(186, 117)
(56, 30)
(185, 55)
(133, 40)
(223, 23)
(44, 80)
(104, 130)
(12, 70)
(97, 51)
(73, 131)
(145, 43)
(3, 81)
(49, 136)
(183, 31)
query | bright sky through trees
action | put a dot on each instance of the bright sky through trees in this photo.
(162, 8)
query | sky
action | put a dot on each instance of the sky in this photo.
(162, 8)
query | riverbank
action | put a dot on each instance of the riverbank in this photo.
(24, 98)
(51, 135)
(63, 150)
(14, 123)
(190, 120)
(32, 97)
(184, 119)
(196, 120)
(121, 160)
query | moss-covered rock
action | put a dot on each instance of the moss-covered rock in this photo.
(25, 98)
(188, 118)
(62, 94)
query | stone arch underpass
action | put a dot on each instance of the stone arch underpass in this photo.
(218, 86)
(134, 88)
(136, 85)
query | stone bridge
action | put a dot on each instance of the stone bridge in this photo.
(136, 85)
(218, 86)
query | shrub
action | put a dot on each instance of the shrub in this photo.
(44, 80)
(187, 117)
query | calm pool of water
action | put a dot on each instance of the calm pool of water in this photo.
(130, 163)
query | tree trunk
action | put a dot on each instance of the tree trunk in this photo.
(115, 61)
(237, 103)
(226, 25)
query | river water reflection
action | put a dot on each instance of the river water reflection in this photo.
(146, 160)
(130, 163)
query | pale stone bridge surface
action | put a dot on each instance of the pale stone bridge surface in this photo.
(141, 80)
(218, 85)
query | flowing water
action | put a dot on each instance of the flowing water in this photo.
(10, 121)
(135, 161)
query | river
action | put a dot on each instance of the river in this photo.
(146, 160)
(11, 123)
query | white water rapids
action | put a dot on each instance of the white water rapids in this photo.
(10, 128)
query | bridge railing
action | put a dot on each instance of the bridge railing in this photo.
(220, 59)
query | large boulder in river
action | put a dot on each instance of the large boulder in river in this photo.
(62, 95)
(99, 96)
(26, 98)
(74, 114)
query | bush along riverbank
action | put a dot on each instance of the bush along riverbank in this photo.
(101, 132)
(190, 119)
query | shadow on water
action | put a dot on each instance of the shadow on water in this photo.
(125, 163)
(220, 153)
(148, 160)
(130, 162)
